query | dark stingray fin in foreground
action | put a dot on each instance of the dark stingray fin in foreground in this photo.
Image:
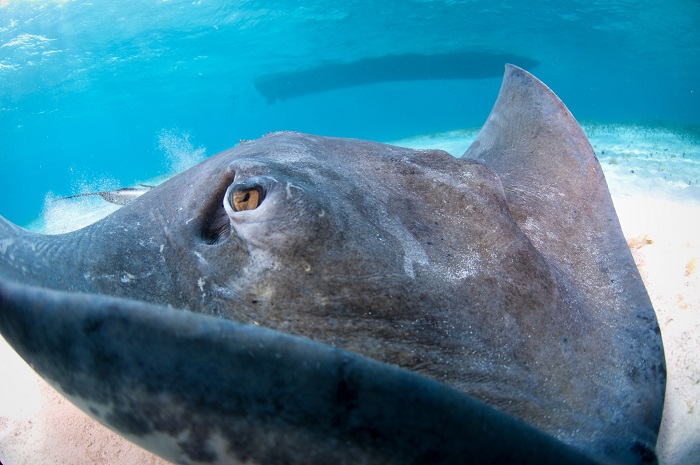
(148, 371)
(410, 67)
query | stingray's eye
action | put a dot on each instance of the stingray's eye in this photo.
(245, 199)
(247, 194)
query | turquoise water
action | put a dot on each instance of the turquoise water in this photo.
(104, 94)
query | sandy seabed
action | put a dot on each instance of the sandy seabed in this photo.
(653, 175)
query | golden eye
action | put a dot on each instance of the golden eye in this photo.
(248, 199)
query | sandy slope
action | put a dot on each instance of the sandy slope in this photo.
(664, 236)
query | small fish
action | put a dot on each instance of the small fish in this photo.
(122, 196)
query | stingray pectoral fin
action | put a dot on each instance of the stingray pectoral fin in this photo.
(196, 389)
(554, 185)
(558, 196)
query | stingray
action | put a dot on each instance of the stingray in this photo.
(309, 300)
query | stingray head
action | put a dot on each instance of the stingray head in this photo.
(358, 244)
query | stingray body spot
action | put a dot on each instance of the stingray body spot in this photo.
(289, 189)
(5, 244)
(200, 257)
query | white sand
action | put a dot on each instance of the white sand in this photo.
(664, 236)
(659, 209)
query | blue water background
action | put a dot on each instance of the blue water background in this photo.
(93, 90)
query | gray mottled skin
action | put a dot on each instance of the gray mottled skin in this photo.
(505, 278)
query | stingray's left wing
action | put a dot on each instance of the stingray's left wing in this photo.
(196, 389)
